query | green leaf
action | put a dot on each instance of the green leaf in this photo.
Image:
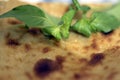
(115, 10)
(98, 22)
(104, 22)
(79, 7)
(66, 23)
(82, 26)
(30, 15)
(61, 29)
(50, 27)
(85, 8)
(52, 31)
(50, 21)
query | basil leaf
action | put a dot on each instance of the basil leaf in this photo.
(50, 21)
(85, 9)
(104, 22)
(60, 30)
(30, 15)
(82, 26)
(98, 22)
(66, 23)
(79, 7)
(52, 31)
(115, 10)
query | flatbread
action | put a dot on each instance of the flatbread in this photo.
(28, 55)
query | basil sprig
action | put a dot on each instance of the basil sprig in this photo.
(98, 22)
(59, 28)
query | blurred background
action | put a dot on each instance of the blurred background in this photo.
(69, 1)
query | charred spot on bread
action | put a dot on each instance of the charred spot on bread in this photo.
(60, 59)
(12, 42)
(77, 76)
(14, 21)
(43, 67)
(69, 54)
(34, 31)
(106, 67)
(96, 58)
(94, 44)
(27, 47)
(46, 49)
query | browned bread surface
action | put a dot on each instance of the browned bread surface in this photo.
(28, 55)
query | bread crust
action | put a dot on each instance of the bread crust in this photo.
(28, 55)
